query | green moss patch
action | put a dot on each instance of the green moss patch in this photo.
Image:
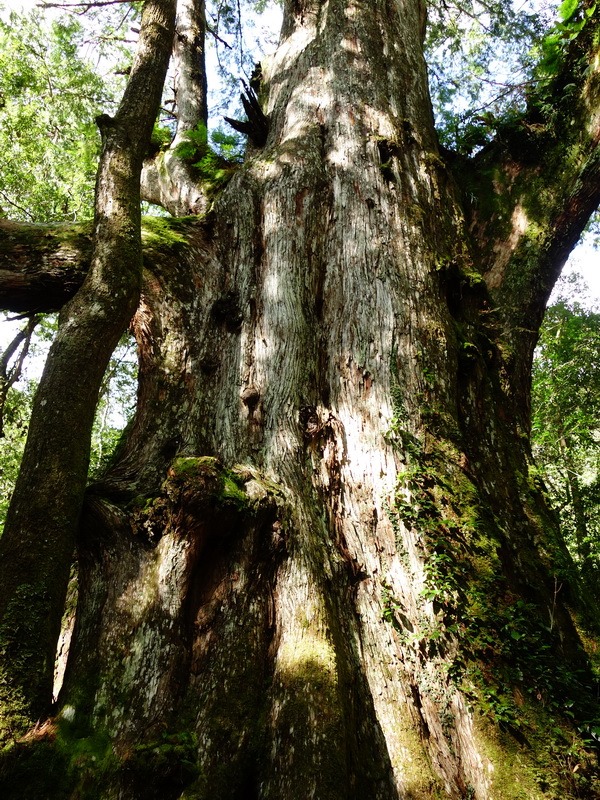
(166, 232)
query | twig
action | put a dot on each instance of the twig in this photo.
(7, 199)
(10, 375)
(216, 36)
(85, 6)
(552, 613)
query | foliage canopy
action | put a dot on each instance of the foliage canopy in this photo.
(565, 431)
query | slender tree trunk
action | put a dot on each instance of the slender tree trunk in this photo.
(317, 567)
(167, 179)
(42, 520)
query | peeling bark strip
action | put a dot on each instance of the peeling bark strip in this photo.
(317, 567)
(42, 521)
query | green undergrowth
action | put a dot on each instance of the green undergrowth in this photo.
(15, 716)
(34, 769)
(167, 765)
(56, 762)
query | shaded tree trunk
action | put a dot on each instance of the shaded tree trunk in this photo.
(317, 567)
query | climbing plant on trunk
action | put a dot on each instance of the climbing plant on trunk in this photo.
(317, 565)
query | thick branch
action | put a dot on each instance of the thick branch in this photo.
(167, 180)
(189, 66)
(41, 266)
(531, 193)
(538, 183)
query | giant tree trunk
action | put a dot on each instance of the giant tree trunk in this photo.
(317, 567)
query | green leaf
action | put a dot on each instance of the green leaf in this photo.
(567, 9)
(50, 95)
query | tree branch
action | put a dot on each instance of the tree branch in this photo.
(189, 66)
(167, 180)
(531, 192)
(84, 6)
(9, 375)
(41, 266)
(544, 164)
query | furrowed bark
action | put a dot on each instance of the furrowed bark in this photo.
(36, 548)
